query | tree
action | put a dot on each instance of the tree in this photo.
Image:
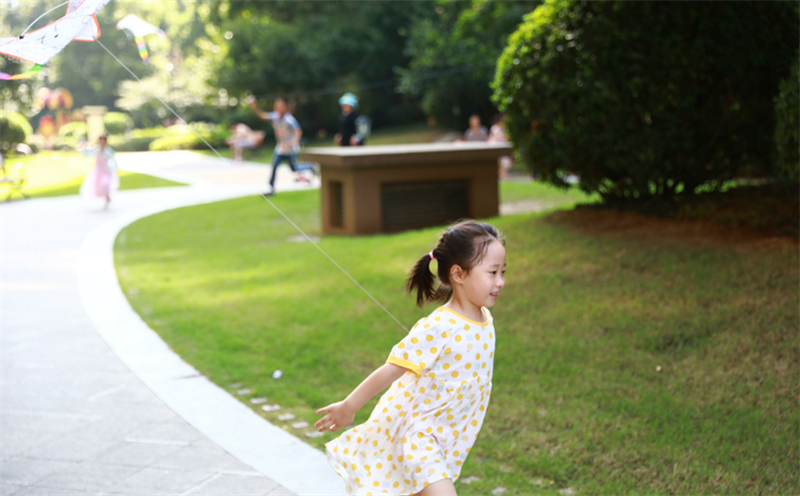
(94, 77)
(14, 128)
(18, 95)
(296, 49)
(787, 128)
(646, 98)
(453, 48)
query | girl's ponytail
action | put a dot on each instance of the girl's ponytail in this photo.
(462, 244)
(421, 279)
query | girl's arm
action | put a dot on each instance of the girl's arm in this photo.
(341, 414)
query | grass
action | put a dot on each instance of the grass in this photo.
(630, 360)
(61, 173)
(419, 133)
(517, 190)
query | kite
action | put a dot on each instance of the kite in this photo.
(139, 29)
(38, 47)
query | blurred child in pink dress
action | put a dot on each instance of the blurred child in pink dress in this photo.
(102, 181)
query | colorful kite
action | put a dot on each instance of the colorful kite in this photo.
(139, 29)
(38, 47)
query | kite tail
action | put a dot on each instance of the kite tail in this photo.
(25, 75)
(142, 50)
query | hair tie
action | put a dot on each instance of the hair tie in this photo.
(431, 254)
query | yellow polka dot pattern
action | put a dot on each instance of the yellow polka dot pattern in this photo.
(425, 424)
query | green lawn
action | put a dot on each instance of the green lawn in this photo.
(514, 190)
(61, 173)
(625, 363)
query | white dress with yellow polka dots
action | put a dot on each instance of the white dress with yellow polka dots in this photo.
(426, 423)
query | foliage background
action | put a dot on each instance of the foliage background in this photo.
(405, 60)
(787, 128)
(453, 49)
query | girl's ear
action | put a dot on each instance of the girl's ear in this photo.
(457, 274)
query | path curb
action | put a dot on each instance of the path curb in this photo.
(208, 408)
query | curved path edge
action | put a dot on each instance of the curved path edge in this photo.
(222, 418)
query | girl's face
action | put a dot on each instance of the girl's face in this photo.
(482, 285)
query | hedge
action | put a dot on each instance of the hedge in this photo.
(170, 138)
(646, 98)
(117, 122)
(139, 140)
(183, 138)
(787, 110)
(14, 129)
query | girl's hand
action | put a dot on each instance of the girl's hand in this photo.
(338, 416)
(343, 413)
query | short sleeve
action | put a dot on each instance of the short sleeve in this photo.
(420, 348)
(273, 116)
(292, 122)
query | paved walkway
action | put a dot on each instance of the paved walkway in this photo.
(91, 400)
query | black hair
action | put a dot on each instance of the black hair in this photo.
(462, 244)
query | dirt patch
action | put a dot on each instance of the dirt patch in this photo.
(620, 224)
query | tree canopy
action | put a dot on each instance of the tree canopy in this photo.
(453, 49)
(405, 60)
(647, 98)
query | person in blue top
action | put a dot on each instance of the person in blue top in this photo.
(287, 137)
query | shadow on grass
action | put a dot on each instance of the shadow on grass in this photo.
(771, 208)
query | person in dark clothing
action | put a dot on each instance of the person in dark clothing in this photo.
(347, 134)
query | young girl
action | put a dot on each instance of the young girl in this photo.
(102, 181)
(419, 434)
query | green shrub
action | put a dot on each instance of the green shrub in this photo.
(787, 110)
(646, 98)
(121, 143)
(117, 122)
(139, 140)
(14, 128)
(182, 138)
(150, 132)
(73, 130)
(70, 136)
(65, 143)
(183, 141)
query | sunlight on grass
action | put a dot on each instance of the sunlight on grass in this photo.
(623, 365)
(527, 189)
(54, 173)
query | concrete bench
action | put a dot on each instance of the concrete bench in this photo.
(374, 189)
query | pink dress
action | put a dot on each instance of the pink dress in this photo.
(102, 181)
